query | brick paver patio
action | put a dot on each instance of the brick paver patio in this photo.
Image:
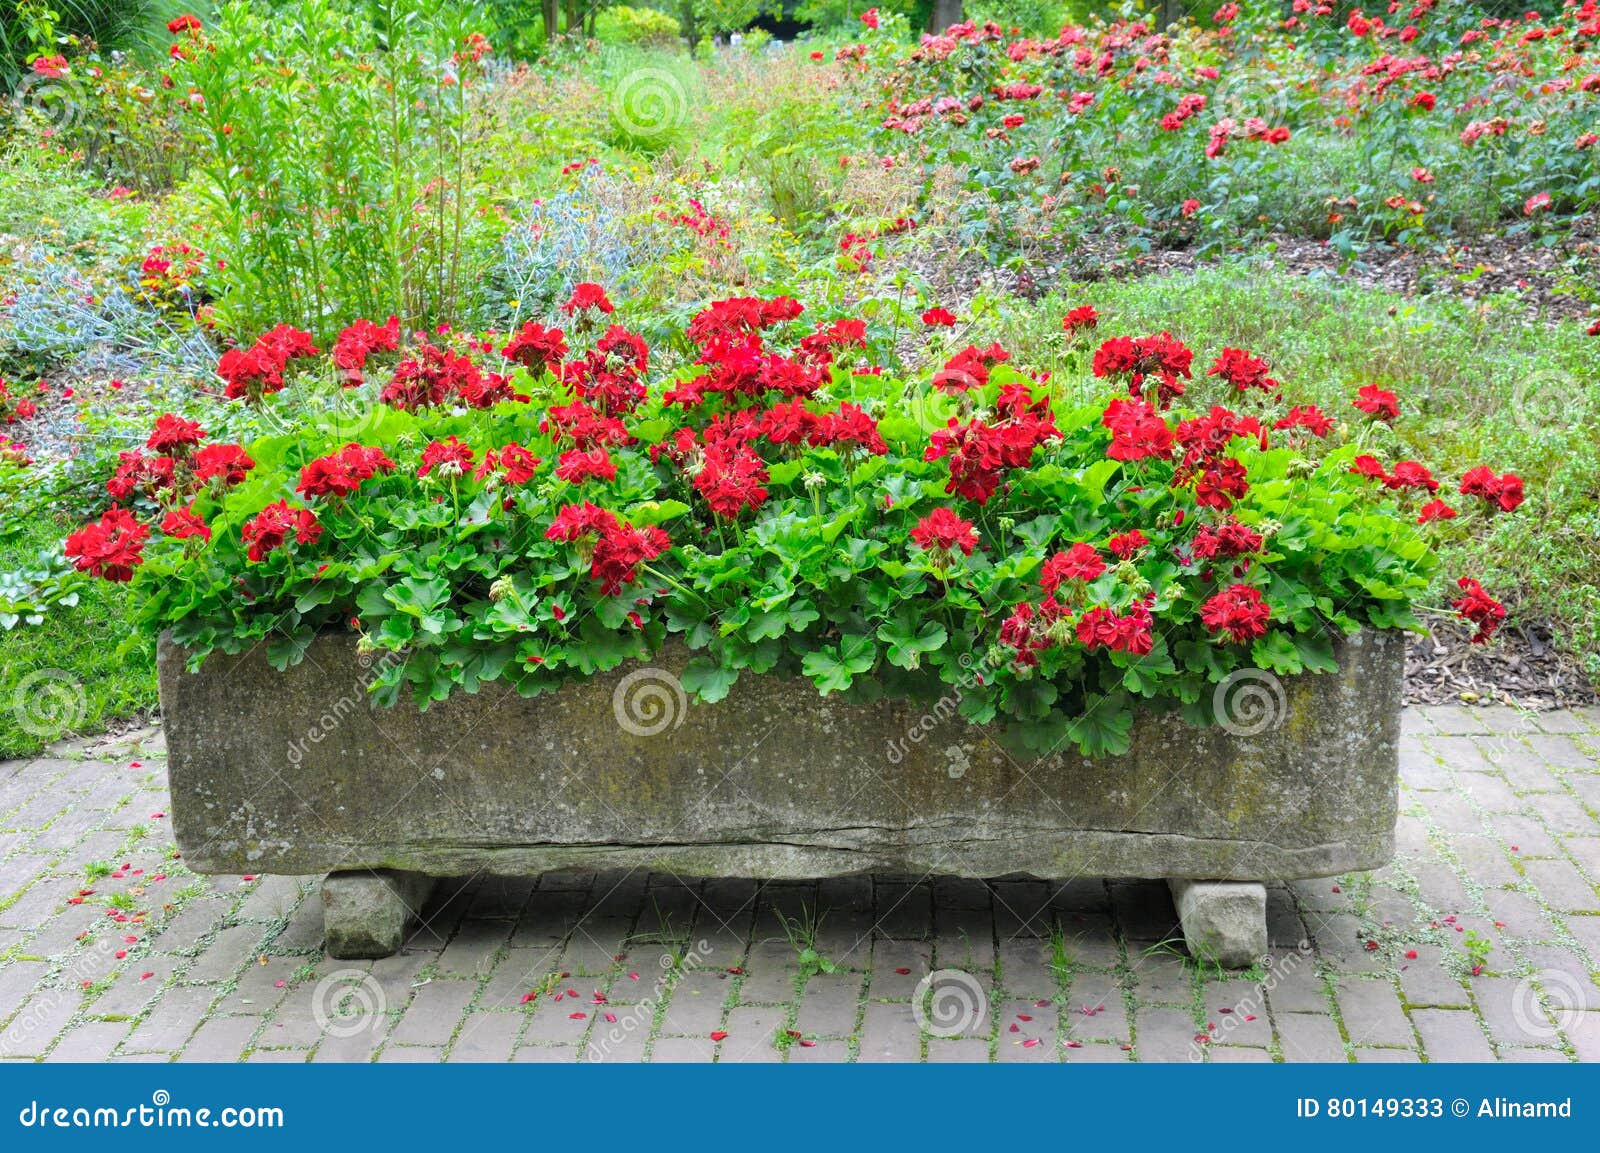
(110, 949)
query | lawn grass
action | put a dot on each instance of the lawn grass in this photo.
(1478, 384)
(79, 669)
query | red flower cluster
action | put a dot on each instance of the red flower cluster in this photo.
(981, 453)
(969, 369)
(341, 473)
(1378, 403)
(1080, 319)
(1502, 492)
(537, 348)
(270, 529)
(586, 296)
(12, 407)
(112, 547)
(436, 375)
(1243, 371)
(1237, 610)
(1079, 563)
(943, 531)
(618, 547)
(258, 371)
(361, 340)
(1480, 608)
(1140, 358)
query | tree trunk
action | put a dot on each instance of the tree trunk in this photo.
(574, 22)
(688, 25)
(945, 13)
(550, 12)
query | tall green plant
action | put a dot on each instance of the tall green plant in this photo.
(341, 170)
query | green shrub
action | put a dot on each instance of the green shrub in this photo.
(645, 27)
(341, 172)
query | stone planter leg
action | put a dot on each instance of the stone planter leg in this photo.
(365, 914)
(1223, 921)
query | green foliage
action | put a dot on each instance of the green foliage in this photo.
(644, 27)
(70, 656)
(340, 166)
(33, 27)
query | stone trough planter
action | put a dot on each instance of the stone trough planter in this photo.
(295, 773)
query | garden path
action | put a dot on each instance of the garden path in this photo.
(1499, 855)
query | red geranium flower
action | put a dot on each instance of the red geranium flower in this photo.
(342, 472)
(271, 527)
(1435, 510)
(182, 523)
(1126, 545)
(619, 552)
(1480, 608)
(1308, 417)
(1503, 492)
(536, 348)
(1080, 319)
(225, 462)
(1369, 466)
(174, 436)
(943, 530)
(1141, 358)
(361, 340)
(1378, 403)
(1410, 474)
(111, 548)
(449, 457)
(938, 317)
(1137, 431)
(1243, 371)
(1237, 610)
(586, 296)
(1081, 562)
(577, 466)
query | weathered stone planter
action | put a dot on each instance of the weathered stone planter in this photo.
(296, 773)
